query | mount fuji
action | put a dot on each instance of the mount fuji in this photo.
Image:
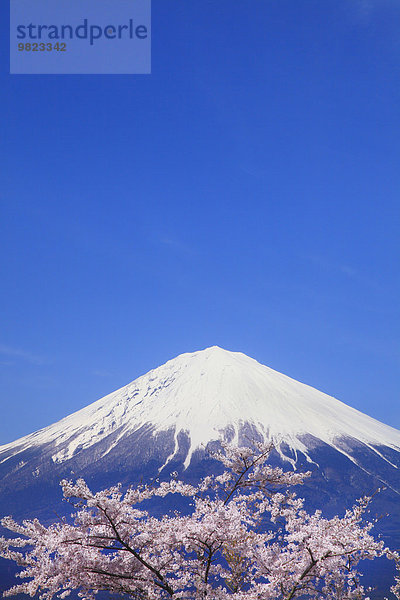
(165, 420)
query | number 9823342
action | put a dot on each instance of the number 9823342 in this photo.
(42, 47)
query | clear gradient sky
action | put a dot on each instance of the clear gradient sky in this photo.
(246, 194)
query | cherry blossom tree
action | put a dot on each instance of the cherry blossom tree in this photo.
(246, 537)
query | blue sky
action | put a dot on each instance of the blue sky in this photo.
(245, 194)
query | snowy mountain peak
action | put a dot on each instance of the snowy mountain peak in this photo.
(208, 395)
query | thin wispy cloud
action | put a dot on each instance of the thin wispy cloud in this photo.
(364, 9)
(176, 245)
(364, 12)
(21, 354)
(345, 270)
(101, 373)
(329, 265)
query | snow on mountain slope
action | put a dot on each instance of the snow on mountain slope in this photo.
(204, 394)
